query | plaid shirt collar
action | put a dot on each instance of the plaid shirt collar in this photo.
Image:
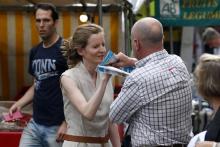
(152, 57)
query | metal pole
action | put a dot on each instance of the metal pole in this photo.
(171, 40)
(100, 11)
(126, 31)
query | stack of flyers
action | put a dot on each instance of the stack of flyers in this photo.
(112, 70)
(109, 58)
(128, 69)
(16, 115)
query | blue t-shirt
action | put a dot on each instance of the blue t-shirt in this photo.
(46, 65)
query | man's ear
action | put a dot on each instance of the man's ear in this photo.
(137, 44)
(56, 23)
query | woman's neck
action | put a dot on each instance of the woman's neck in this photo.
(91, 69)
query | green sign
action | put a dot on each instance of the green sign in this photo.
(188, 12)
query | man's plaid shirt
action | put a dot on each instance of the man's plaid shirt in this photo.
(156, 101)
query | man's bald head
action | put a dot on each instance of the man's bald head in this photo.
(149, 31)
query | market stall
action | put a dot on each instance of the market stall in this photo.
(10, 132)
(18, 34)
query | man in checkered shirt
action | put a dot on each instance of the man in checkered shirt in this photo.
(155, 99)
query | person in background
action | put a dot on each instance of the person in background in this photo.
(211, 40)
(87, 93)
(207, 81)
(156, 98)
(46, 64)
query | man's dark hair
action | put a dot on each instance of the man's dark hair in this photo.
(48, 6)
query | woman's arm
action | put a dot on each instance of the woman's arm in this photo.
(87, 108)
(114, 135)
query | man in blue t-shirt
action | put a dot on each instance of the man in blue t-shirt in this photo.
(46, 64)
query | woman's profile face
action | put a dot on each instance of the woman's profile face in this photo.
(95, 50)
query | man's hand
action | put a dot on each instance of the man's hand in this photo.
(123, 60)
(15, 107)
(61, 131)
